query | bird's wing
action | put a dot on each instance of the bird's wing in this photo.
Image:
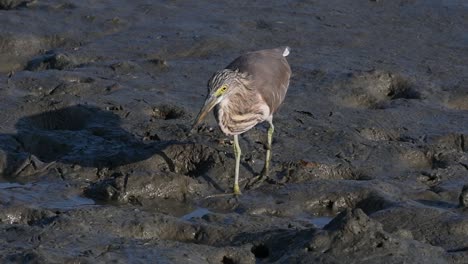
(268, 72)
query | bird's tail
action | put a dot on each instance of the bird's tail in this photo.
(286, 51)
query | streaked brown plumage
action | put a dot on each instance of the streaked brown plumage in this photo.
(247, 92)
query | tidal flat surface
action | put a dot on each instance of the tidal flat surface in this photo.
(370, 152)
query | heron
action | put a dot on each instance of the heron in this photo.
(245, 93)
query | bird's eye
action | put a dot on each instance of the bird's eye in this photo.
(221, 90)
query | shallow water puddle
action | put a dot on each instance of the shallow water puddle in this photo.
(44, 195)
(199, 212)
(320, 222)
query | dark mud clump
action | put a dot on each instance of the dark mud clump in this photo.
(375, 89)
(57, 61)
(10, 4)
(166, 112)
(464, 197)
(98, 165)
(353, 235)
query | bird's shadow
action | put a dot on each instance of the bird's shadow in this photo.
(80, 135)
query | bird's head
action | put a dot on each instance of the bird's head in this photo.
(220, 86)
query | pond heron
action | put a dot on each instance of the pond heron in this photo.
(247, 92)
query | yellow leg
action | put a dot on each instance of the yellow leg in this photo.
(266, 168)
(264, 175)
(237, 153)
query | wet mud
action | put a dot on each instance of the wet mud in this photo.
(370, 152)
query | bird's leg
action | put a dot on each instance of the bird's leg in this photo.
(266, 167)
(264, 175)
(237, 153)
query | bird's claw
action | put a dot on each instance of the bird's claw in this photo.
(258, 180)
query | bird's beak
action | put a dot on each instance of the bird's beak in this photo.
(209, 104)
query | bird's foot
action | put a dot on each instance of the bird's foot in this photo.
(235, 195)
(258, 180)
(237, 190)
(265, 172)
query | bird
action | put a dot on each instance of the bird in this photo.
(245, 93)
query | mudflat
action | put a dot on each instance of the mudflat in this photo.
(370, 151)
